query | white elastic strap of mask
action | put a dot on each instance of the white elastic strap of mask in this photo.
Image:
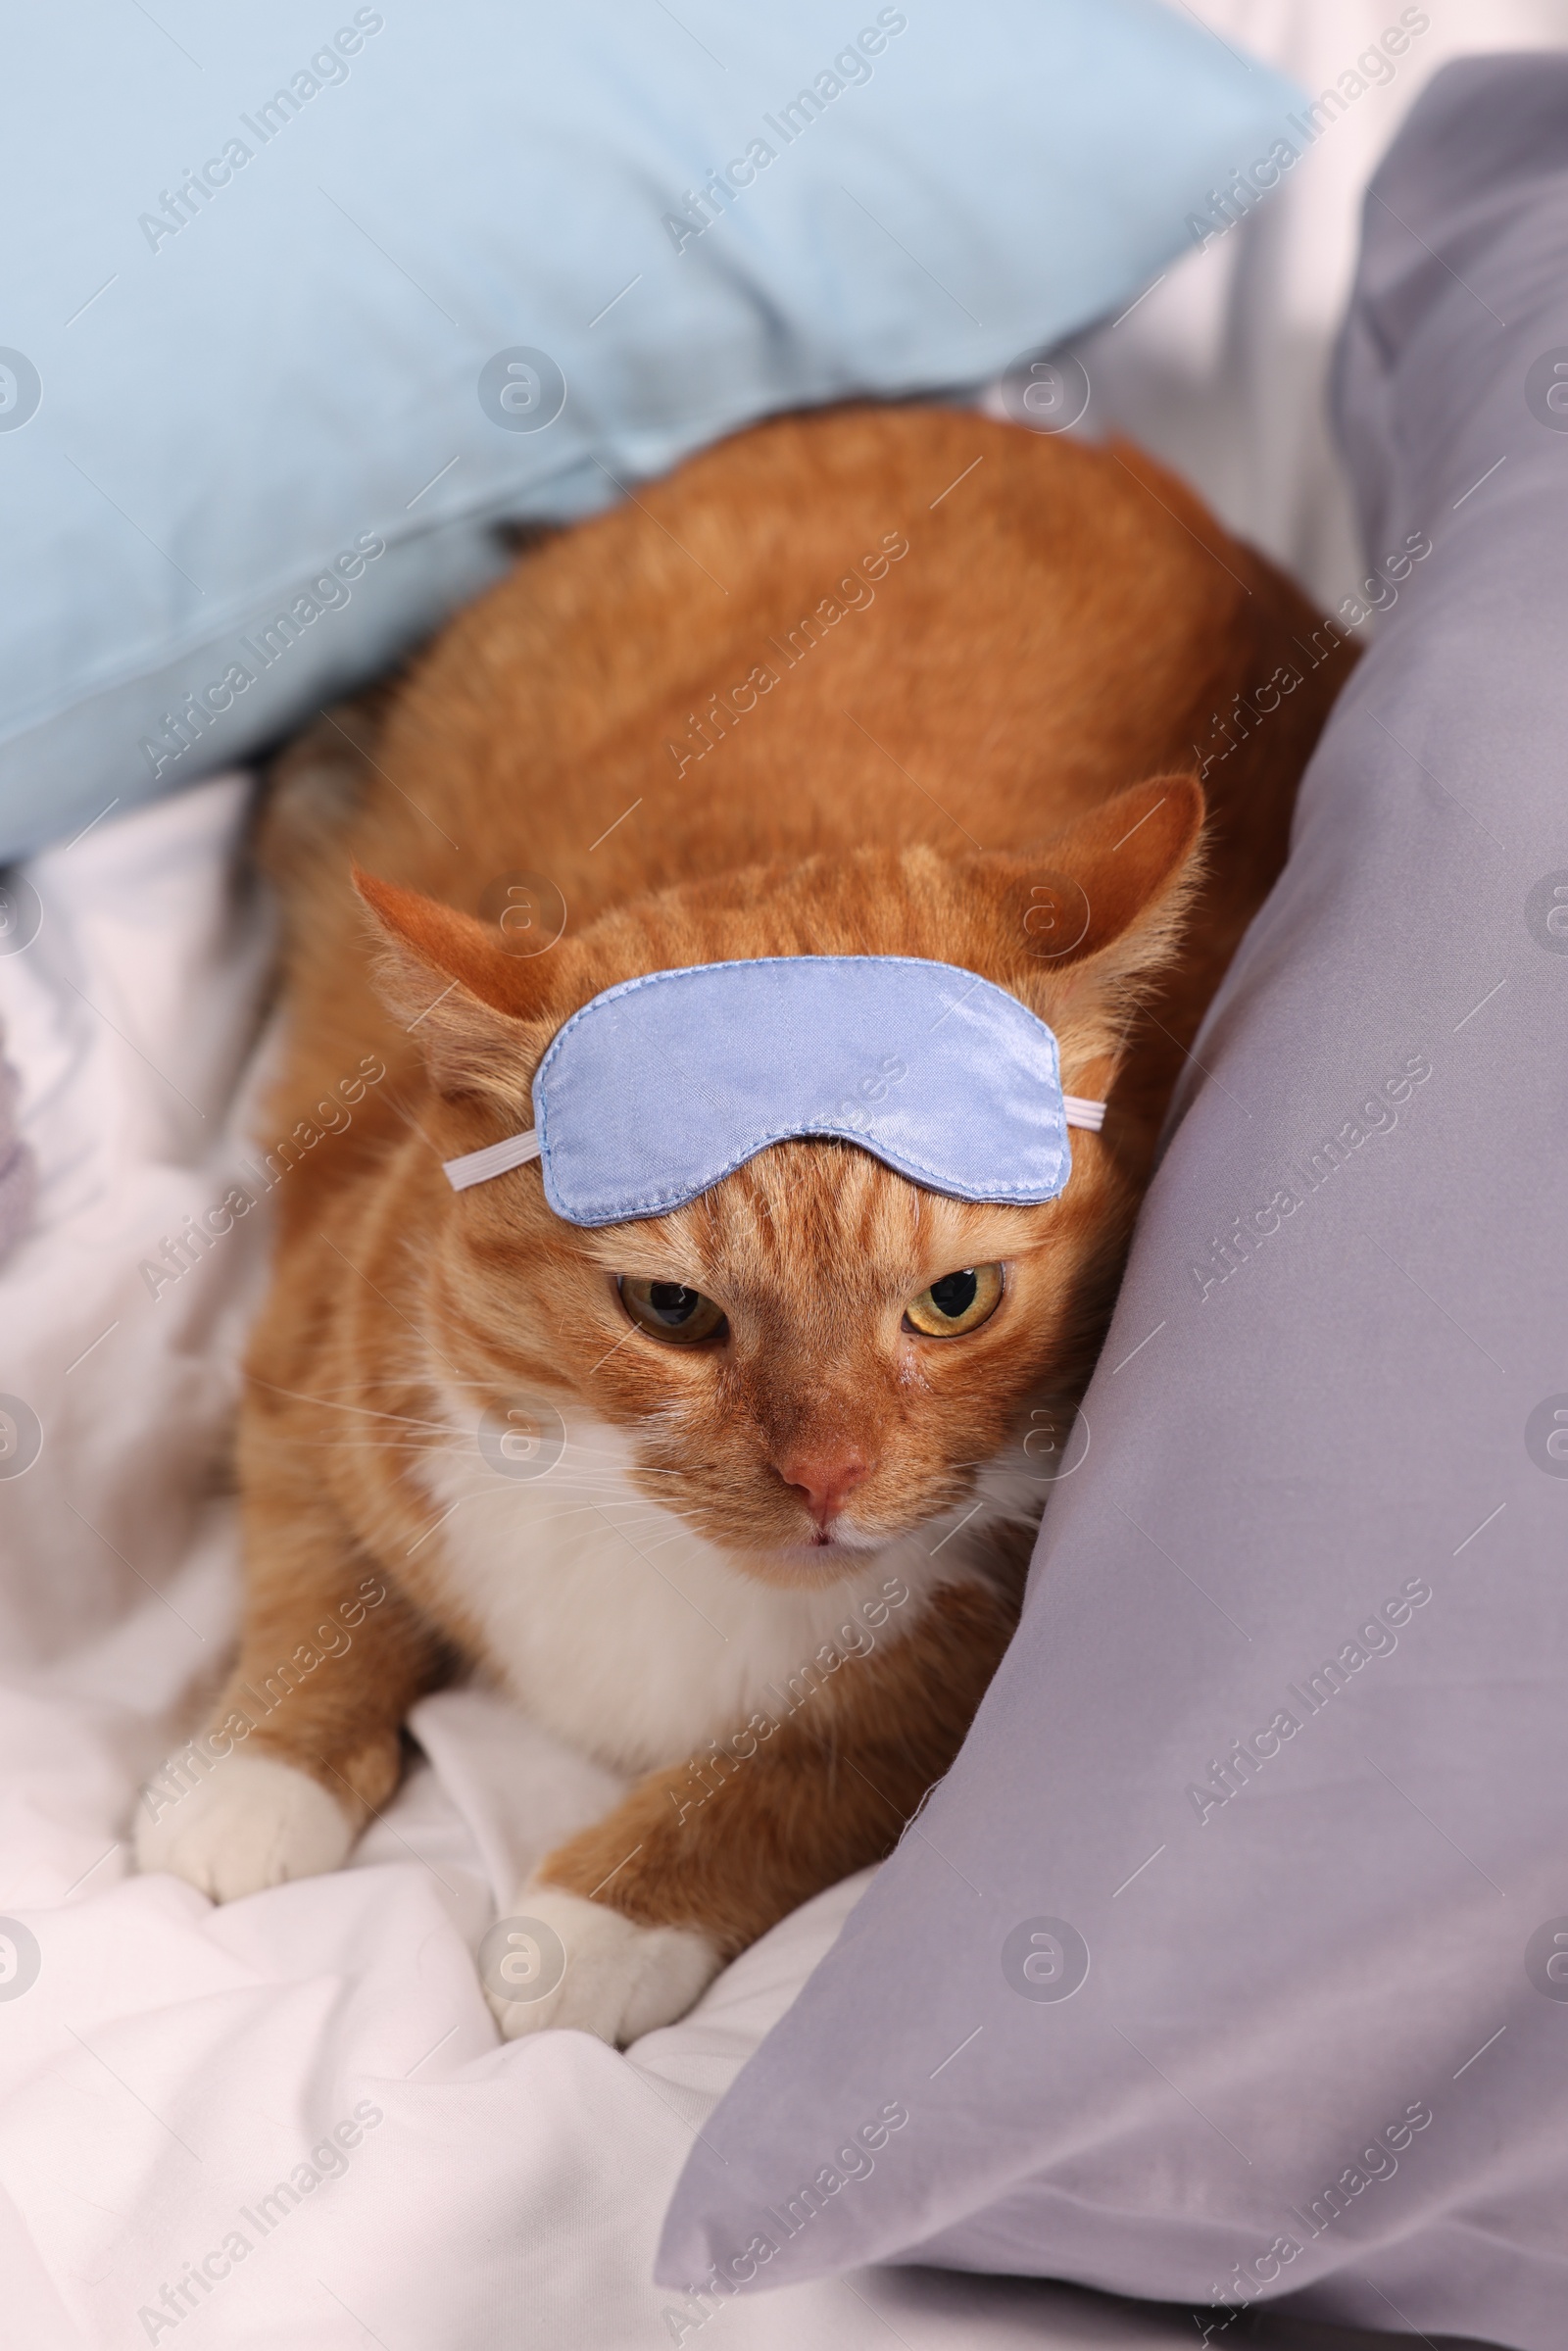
(496, 1159)
(1079, 1111)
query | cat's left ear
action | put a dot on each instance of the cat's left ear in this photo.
(1106, 899)
(477, 1013)
(1079, 926)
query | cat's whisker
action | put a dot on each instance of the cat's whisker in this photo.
(298, 1397)
(363, 1444)
(417, 1438)
(605, 1465)
(373, 1382)
(431, 1435)
(579, 1495)
(666, 1533)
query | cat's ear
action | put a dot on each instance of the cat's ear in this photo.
(1078, 927)
(474, 1009)
(1104, 898)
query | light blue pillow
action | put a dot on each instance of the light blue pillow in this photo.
(310, 300)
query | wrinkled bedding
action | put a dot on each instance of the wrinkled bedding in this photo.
(179, 2085)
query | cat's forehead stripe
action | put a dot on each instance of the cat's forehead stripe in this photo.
(665, 1084)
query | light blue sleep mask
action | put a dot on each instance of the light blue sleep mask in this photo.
(663, 1085)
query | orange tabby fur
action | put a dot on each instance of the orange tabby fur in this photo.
(963, 743)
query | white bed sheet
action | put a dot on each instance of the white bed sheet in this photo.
(173, 2062)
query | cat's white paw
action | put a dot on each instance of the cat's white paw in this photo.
(253, 1822)
(591, 1968)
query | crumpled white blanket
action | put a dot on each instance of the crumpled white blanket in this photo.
(166, 2067)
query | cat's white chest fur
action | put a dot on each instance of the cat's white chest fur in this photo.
(615, 1624)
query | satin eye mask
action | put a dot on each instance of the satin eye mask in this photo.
(660, 1086)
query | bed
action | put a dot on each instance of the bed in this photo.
(178, 2085)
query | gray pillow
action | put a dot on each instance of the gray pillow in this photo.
(1230, 1963)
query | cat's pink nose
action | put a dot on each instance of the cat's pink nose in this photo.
(824, 1479)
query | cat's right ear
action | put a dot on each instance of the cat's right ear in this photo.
(477, 1014)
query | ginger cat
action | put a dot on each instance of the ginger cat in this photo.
(877, 681)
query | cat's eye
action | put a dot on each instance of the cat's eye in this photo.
(669, 1311)
(958, 1303)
